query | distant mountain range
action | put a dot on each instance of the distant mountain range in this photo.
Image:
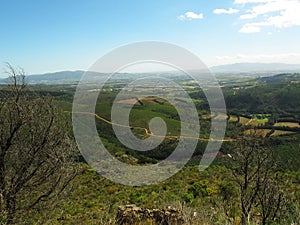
(57, 77)
(70, 77)
(62, 77)
(256, 67)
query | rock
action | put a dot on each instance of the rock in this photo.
(131, 214)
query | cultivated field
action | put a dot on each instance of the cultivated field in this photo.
(287, 124)
(260, 132)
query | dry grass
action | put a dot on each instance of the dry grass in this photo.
(206, 116)
(147, 101)
(287, 124)
(233, 118)
(260, 132)
(281, 132)
(221, 116)
(244, 120)
(130, 101)
(264, 132)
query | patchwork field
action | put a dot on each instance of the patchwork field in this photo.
(281, 132)
(147, 101)
(221, 116)
(287, 124)
(247, 121)
(233, 118)
(265, 132)
(130, 101)
(244, 120)
(260, 132)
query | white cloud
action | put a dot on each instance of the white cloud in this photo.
(286, 14)
(248, 28)
(275, 6)
(251, 1)
(248, 16)
(190, 16)
(226, 11)
(291, 58)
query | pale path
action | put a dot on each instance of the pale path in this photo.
(147, 132)
(250, 121)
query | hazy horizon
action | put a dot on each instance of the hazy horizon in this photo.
(54, 36)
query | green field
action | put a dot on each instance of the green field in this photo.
(211, 194)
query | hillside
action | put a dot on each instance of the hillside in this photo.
(269, 105)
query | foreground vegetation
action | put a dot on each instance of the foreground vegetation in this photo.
(254, 180)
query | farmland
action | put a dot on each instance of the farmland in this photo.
(273, 120)
(93, 198)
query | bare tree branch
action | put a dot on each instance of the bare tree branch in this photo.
(35, 149)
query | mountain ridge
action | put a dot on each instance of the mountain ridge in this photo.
(256, 67)
(71, 77)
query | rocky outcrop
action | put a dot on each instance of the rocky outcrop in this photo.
(133, 215)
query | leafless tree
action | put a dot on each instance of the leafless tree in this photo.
(271, 197)
(36, 153)
(255, 173)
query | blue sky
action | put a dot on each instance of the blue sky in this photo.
(45, 36)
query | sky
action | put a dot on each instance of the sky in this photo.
(45, 36)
